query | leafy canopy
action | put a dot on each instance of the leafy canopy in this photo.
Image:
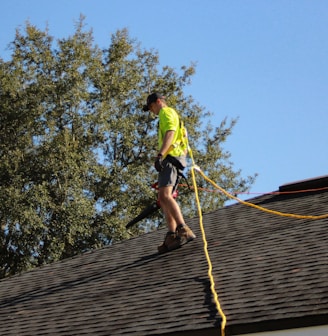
(76, 149)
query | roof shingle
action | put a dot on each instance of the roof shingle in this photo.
(267, 269)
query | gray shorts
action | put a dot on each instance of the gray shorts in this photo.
(169, 174)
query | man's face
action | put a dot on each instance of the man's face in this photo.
(153, 107)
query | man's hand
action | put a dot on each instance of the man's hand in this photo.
(159, 163)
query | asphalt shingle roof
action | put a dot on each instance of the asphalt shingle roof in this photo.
(270, 273)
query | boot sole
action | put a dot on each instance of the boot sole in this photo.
(183, 242)
(187, 240)
(169, 249)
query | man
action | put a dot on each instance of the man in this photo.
(170, 159)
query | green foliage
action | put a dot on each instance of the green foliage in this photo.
(77, 150)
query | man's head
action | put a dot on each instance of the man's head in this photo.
(152, 98)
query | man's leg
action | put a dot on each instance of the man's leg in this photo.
(170, 207)
(173, 217)
(178, 232)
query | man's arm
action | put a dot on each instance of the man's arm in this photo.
(167, 142)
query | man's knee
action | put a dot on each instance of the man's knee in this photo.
(165, 194)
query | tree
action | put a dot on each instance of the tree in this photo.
(76, 148)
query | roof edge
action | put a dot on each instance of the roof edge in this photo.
(279, 324)
(313, 183)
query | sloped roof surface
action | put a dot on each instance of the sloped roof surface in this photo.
(266, 268)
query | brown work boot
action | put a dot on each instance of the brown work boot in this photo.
(185, 234)
(171, 242)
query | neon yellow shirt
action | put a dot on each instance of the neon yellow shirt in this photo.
(169, 121)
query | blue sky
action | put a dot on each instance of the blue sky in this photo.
(263, 61)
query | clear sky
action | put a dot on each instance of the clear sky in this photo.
(263, 61)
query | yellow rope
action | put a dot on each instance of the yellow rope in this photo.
(210, 275)
(257, 206)
(210, 267)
